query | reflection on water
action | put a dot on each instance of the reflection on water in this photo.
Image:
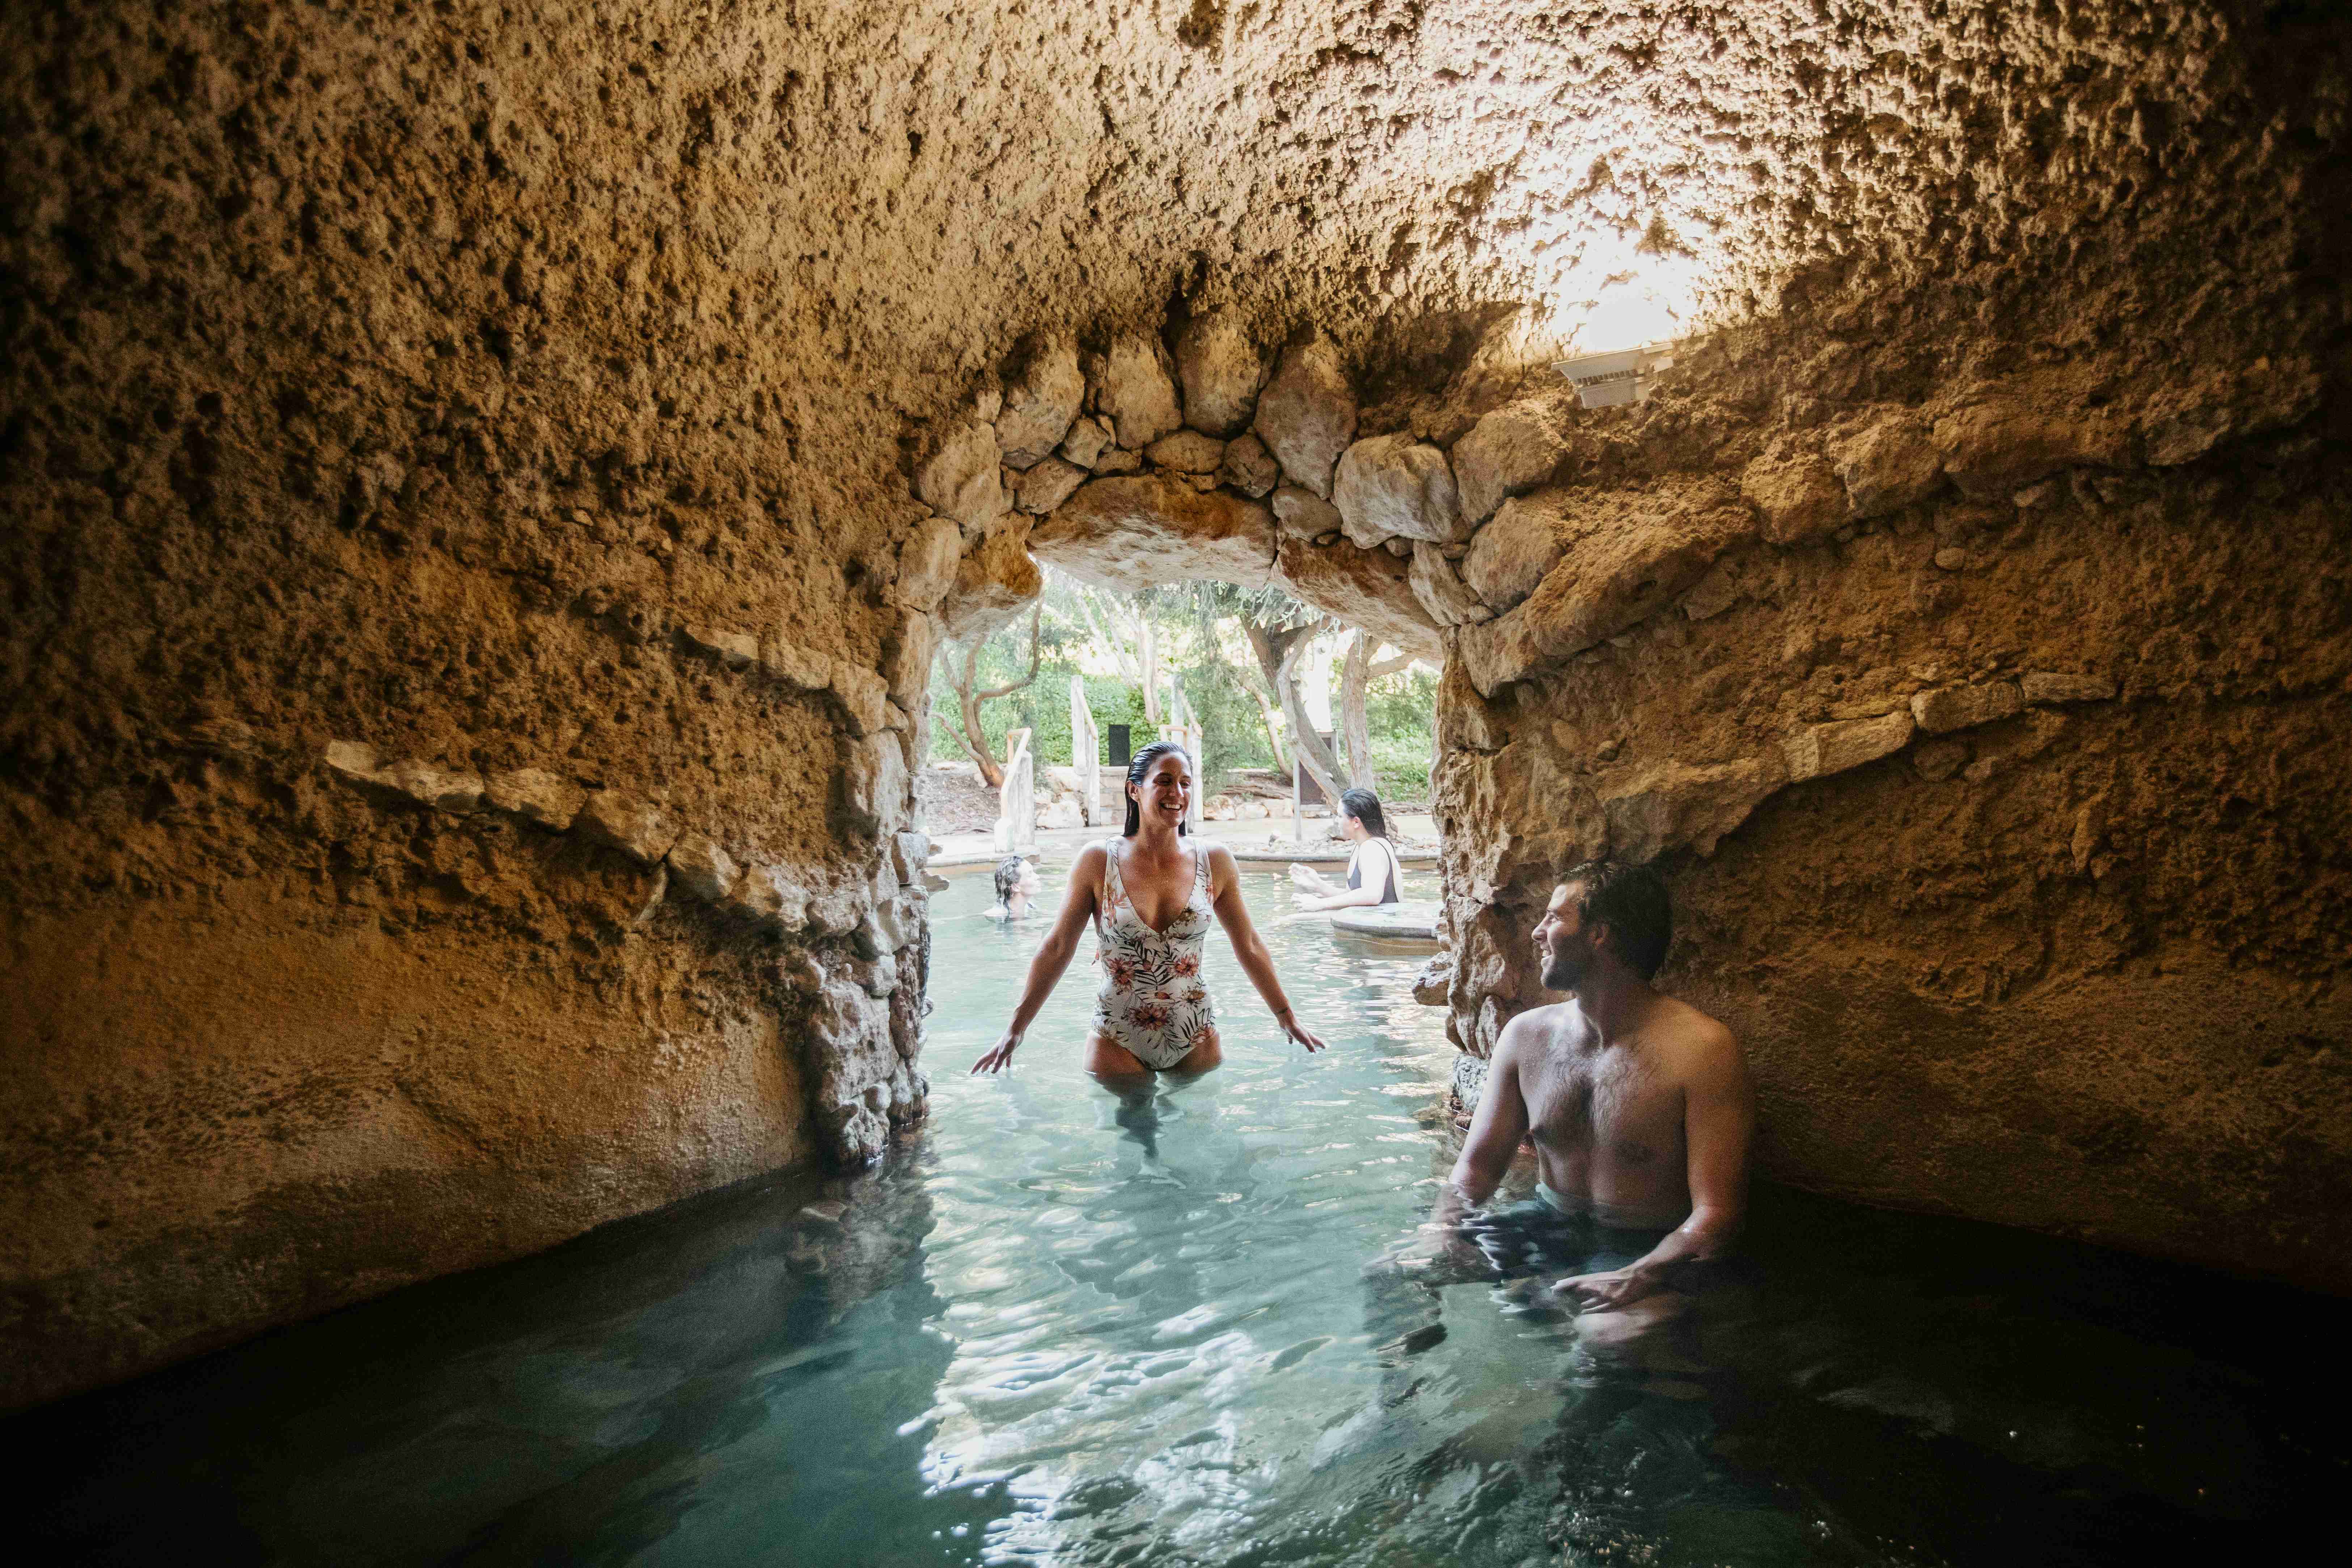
(1073, 1326)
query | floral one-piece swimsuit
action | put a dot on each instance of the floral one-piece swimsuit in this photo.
(1152, 1002)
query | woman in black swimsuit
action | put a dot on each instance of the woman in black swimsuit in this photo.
(1371, 870)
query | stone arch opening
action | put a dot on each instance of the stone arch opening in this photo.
(460, 548)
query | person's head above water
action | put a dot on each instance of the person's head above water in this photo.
(1604, 912)
(1008, 878)
(1160, 780)
(1362, 805)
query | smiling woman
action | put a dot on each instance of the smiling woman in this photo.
(1150, 898)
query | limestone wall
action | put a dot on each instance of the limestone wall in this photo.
(426, 425)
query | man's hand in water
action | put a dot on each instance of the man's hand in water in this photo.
(1000, 1059)
(1298, 1031)
(1442, 1247)
(1616, 1287)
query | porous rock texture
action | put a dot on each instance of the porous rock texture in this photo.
(456, 458)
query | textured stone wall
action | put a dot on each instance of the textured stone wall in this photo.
(469, 595)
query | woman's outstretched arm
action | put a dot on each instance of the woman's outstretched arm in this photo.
(1369, 858)
(1225, 882)
(1053, 957)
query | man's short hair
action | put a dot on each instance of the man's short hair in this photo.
(1632, 903)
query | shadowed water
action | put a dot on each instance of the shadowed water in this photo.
(1062, 1327)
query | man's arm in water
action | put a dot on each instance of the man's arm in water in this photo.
(1495, 1131)
(1053, 957)
(1718, 1125)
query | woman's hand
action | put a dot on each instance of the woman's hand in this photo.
(1296, 1030)
(1000, 1058)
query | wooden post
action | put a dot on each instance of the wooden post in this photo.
(1085, 753)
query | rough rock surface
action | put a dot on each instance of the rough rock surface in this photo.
(1302, 514)
(1040, 403)
(1221, 370)
(1393, 487)
(993, 582)
(1307, 414)
(963, 478)
(1509, 556)
(1626, 555)
(413, 377)
(1187, 452)
(1249, 468)
(1133, 531)
(1508, 452)
(1367, 588)
(1440, 589)
(1047, 485)
(1138, 391)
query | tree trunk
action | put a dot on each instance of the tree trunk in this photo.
(1272, 728)
(1312, 753)
(1150, 670)
(1354, 726)
(968, 697)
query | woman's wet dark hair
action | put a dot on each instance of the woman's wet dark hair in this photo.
(1136, 769)
(1008, 877)
(1365, 808)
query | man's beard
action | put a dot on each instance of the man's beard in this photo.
(1564, 967)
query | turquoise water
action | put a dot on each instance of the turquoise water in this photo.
(1058, 1326)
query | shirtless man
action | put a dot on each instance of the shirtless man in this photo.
(1640, 1105)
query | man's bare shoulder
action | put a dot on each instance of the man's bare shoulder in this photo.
(1697, 1041)
(1540, 1026)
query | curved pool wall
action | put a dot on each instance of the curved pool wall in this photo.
(1058, 1326)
